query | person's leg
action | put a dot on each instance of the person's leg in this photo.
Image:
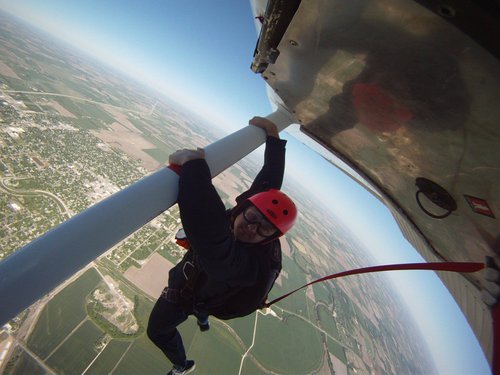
(164, 319)
(202, 320)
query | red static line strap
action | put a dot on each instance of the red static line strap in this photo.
(440, 266)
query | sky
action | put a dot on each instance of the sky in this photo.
(199, 53)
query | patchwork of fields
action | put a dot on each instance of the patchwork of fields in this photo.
(68, 341)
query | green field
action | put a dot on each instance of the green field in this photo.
(89, 115)
(322, 293)
(216, 351)
(249, 367)
(159, 155)
(70, 105)
(26, 365)
(62, 314)
(15, 84)
(109, 357)
(243, 327)
(368, 342)
(142, 309)
(78, 351)
(328, 321)
(143, 358)
(296, 302)
(290, 346)
(337, 350)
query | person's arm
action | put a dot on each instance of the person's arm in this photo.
(271, 174)
(202, 212)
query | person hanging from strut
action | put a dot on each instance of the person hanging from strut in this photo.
(234, 255)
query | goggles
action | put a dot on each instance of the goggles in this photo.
(264, 227)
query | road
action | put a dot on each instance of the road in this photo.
(4, 185)
(253, 342)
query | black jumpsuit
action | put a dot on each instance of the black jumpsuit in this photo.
(233, 276)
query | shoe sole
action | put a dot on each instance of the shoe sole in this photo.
(190, 370)
(185, 372)
(203, 328)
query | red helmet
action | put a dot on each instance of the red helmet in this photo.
(277, 207)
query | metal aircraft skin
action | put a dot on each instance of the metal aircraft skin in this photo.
(406, 94)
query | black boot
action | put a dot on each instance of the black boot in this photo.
(203, 324)
(182, 370)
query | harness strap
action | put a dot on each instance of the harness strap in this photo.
(192, 274)
(169, 294)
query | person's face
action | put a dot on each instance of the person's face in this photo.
(251, 226)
